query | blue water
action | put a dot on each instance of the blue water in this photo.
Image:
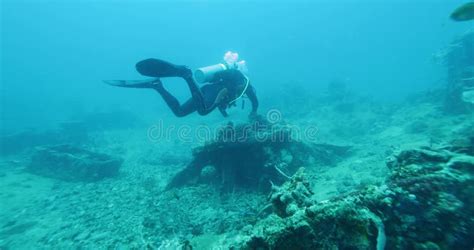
(55, 53)
(359, 85)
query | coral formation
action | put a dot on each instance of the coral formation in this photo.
(426, 189)
(270, 156)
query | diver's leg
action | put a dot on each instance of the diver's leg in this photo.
(159, 68)
(196, 94)
(179, 110)
(188, 107)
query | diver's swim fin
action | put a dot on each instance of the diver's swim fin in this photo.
(159, 68)
(150, 83)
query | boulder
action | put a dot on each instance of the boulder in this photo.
(254, 157)
(70, 163)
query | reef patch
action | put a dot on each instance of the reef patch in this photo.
(426, 189)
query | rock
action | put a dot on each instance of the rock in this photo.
(69, 163)
(208, 174)
(292, 196)
(419, 156)
(252, 156)
(463, 163)
(463, 145)
(425, 188)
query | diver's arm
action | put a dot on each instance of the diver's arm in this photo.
(252, 95)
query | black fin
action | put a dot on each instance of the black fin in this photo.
(159, 68)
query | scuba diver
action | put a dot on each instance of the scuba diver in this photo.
(226, 83)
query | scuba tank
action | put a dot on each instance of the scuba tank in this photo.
(206, 74)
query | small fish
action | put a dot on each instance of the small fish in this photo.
(464, 12)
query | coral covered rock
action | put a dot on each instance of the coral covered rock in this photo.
(253, 157)
(426, 203)
(292, 196)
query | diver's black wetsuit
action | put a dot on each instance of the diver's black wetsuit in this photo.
(225, 87)
(219, 93)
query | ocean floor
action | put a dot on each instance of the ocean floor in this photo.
(135, 209)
